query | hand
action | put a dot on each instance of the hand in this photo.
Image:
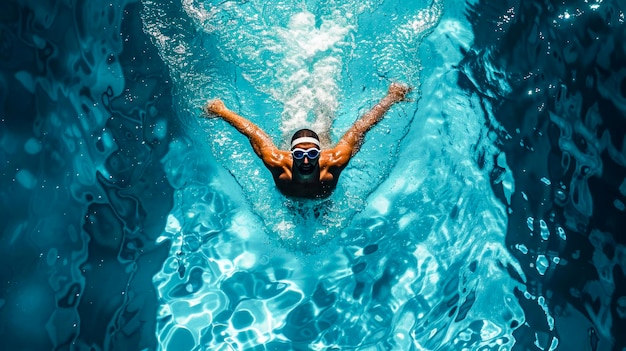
(398, 91)
(214, 107)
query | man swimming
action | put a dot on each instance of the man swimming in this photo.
(306, 170)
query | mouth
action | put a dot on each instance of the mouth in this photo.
(306, 169)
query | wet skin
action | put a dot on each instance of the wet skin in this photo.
(309, 178)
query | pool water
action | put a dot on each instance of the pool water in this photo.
(483, 214)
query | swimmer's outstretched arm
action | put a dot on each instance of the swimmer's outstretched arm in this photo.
(260, 141)
(351, 141)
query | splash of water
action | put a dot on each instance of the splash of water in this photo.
(402, 265)
(288, 64)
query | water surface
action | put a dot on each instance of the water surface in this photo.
(483, 214)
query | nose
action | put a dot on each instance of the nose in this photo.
(306, 160)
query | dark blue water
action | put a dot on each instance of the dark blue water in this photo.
(488, 214)
(561, 125)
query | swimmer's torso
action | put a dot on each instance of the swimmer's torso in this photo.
(318, 189)
(320, 185)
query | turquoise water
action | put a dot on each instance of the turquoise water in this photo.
(401, 256)
(484, 214)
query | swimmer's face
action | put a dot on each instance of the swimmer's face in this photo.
(306, 165)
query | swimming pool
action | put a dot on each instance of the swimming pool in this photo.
(484, 214)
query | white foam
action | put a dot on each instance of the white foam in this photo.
(310, 65)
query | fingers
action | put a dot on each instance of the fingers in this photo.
(399, 91)
(213, 108)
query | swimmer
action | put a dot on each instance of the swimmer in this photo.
(306, 170)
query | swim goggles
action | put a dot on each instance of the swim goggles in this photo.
(311, 153)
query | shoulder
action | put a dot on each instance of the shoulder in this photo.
(339, 156)
(275, 158)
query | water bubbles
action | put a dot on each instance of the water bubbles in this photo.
(560, 196)
(530, 222)
(564, 15)
(542, 264)
(561, 232)
(545, 232)
(545, 181)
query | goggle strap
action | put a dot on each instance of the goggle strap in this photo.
(305, 140)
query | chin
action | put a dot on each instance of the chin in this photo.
(306, 172)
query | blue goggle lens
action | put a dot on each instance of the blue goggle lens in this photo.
(311, 153)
